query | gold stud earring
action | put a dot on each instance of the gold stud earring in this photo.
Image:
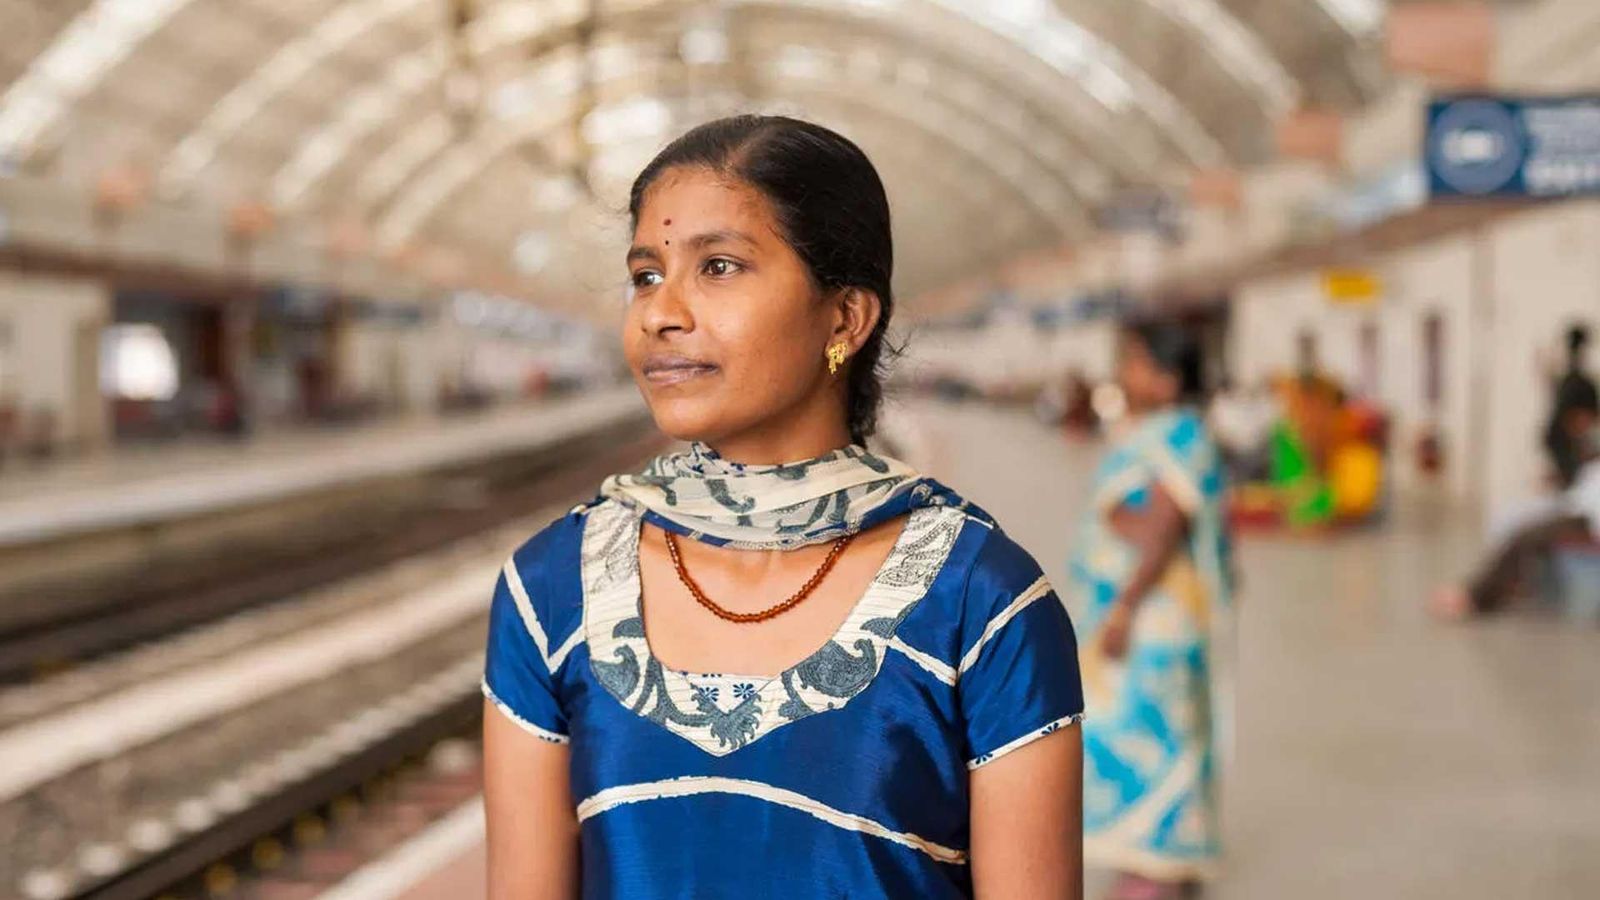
(836, 354)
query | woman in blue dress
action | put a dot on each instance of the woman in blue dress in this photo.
(775, 665)
(1150, 564)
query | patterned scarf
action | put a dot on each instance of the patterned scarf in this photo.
(772, 507)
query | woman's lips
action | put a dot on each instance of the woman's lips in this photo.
(676, 370)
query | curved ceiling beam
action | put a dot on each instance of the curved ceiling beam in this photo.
(1236, 48)
(933, 224)
(409, 154)
(946, 226)
(286, 67)
(74, 64)
(1080, 55)
(944, 79)
(1005, 152)
(109, 30)
(456, 166)
(386, 101)
(1359, 18)
(1082, 60)
(1007, 139)
(368, 110)
(1057, 41)
(926, 181)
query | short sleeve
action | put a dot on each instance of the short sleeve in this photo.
(1180, 459)
(517, 675)
(1018, 677)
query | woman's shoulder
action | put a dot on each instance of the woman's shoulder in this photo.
(988, 564)
(548, 564)
(557, 542)
(1183, 430)
(990, 587)
(1001, 568)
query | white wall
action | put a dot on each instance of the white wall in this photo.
(373, 361)
(1546, 270)
(1088, 347)
(1436, 277)
(1389, 129)
(1267, 314)
(1549, 46)
(1011, 352)
(38, 365)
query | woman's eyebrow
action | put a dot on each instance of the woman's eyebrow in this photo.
(647, 254)
(721, 236)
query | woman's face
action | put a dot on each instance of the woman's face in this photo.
(725, 330)
(1143, 382)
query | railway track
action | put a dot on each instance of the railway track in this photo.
(161, 783)
(319, 541)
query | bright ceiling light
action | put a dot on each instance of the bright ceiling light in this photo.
(1359, 17)
(705, 41)
(801, 63)
(281, 71)
(556, 195)
(137, 362)
(1237, 49)
(97, 39)
(627, 121)
(1109, 81)
(532, 252)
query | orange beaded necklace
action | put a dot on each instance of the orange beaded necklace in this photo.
(771, 611)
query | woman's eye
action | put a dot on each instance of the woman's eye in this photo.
(719, 267)
(646, 278)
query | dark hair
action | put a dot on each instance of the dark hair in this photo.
(831, 208)
(1577, 339)
(1176, 351)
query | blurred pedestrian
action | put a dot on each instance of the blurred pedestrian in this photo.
(1080, 419)
(1150, 564)
(1574, 394)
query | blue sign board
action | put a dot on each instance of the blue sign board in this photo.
(1485, 146)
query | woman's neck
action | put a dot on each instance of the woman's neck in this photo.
(803, 433)
(756, 450)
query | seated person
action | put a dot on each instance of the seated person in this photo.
(1575, 516)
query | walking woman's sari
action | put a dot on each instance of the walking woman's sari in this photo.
(1149, 759)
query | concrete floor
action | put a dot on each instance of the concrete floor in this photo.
(1379, 755)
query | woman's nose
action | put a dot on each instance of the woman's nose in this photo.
(665, 310)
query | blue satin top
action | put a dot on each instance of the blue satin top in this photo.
(844, 776)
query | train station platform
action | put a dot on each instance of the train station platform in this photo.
(1375, 752)
(157, 483)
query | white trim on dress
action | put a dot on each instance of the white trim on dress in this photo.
(692, 785)
(1053, 727)
(1036, 590)
(530, 621)
(542, 734)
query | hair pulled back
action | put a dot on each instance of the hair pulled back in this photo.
(1176, 351)
(831, 209)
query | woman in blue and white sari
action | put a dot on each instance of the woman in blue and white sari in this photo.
(1150, 565)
